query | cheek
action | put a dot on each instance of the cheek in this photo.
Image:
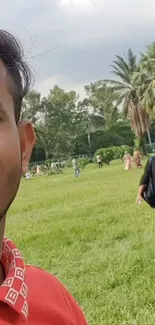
(10, 146)
(10, 167)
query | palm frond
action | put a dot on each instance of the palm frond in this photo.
(120, 69)
(132, 60)
(121, 63)
(112, 82)
(121, 76)
(115, 83)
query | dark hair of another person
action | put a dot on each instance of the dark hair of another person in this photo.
(19, 74)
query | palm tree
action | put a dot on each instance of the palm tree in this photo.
(126, 92)
(145, 80)
(148, 60)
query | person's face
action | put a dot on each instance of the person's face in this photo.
(16, 143)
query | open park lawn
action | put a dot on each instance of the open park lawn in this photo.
(90, 233)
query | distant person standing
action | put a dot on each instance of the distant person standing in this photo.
(38, 170)
(137, 158)
(127, 161)
(99, 161)
(33, 170)
(27, 175)
(75, 167)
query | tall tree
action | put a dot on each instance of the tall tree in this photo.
(145, 81)
(125, 92)
(98, 112)
(31, 107)
(59, 121)
(148, 60)
(89, 120)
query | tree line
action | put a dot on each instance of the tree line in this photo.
(113, 113)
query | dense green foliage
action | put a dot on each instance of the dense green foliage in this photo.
(66, 126)
(82, 162)
(112, 153)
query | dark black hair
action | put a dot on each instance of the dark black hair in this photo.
(12, 55)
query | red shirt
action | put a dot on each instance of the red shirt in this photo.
(31, 296)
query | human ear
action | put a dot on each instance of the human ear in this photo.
(27, 141)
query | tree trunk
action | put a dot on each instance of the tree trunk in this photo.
(89, 144)
(149, 137)
(46, 153)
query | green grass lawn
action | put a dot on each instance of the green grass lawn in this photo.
(90, 233)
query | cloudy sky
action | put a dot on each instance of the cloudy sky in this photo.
(85, 35)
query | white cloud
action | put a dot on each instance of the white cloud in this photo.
(80, 21)
(75, 6)
(89, 33)
(45, 85)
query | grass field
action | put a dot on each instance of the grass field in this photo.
(89, 232)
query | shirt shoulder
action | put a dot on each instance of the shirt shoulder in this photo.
(49, 301)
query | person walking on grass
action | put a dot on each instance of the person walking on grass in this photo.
(99, 161)
(137, 158)
(27, 175)
(127, 161)
(38, 171)
(75, 167)
(28, 295)
(34, 170)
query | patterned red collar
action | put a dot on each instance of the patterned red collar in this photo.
(14, 290)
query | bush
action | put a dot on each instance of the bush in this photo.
(140, 144)
(51, 172)
(148, 148)
(112, 153)
(48, 163)
(69, 163)
(107, 154)
(82, 162)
